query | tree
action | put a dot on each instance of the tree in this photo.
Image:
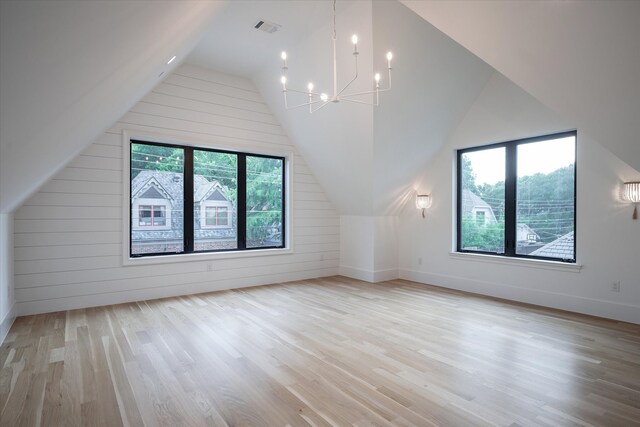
(468, 176)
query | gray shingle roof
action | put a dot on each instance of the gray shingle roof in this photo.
(562, 248)
(171, 183)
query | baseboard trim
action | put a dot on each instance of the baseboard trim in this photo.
(7, 322)
(371, 276)
(25, 308)
(607, 309)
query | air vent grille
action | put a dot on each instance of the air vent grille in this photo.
(266, 26)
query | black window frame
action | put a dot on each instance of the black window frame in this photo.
(510, 196)
(188, 206)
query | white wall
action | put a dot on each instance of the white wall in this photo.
(608, 241)
(68, 236)
(369, 247)
(7, 314)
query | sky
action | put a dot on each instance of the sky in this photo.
(540, 157)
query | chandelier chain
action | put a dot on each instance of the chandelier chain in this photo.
(334, 19)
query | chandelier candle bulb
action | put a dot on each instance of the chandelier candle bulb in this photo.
(283, 80)
(389, 57)
(283, 55)
(310, 87)
(354, 40)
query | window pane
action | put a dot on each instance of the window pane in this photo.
(145, 215)
(222, 216)
(158, 215)
(264, 202)
(157, 179)
(482, 197)
(210, 216)
(215, 186)
(545, 195)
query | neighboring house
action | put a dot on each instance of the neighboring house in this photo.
(562, 248)
(524, 234)
(477, 208)
(474, 206)
(157, 205)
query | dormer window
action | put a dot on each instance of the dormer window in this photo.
(216, 216)
(152, 216)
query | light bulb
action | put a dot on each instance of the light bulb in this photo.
(354, 39)
(389, 56)
(283, 80)
(310, 87)
(324, 97)
(283, 55)
(377, 77)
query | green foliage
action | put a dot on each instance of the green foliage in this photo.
(468, 176)
(264, 198)
(481, 236)
(154, 157)
(220, 167)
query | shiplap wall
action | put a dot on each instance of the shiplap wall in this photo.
(68, 236)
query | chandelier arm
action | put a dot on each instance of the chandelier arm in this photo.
(373, 104)
(304, 105)
(370, 92)
(354, 77)
(322, 106)
(306, 92)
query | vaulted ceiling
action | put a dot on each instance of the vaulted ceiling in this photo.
(69, 70)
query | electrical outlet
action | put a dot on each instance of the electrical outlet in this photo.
(420, 261)
(210, 266)
(615, 286)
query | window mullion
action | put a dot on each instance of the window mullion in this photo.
(242, 201)
(187, 212)
(510, 202)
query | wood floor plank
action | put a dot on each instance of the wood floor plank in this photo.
(323, 352)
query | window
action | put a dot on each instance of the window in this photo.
(216, 216)
(517, 198)
(187, 200)
(151, 216)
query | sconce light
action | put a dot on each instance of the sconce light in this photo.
(632, 194)
(423, 201)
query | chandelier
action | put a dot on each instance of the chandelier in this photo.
(317, 100)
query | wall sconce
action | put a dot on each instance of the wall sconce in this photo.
(632, 194)
(423, 201)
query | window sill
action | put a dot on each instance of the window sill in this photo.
(206, 256)
(518, 262)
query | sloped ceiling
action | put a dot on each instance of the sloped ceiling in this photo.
(580, 58)
(70, 69)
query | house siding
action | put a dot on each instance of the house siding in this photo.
(68, 236)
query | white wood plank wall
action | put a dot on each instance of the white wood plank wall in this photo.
(68, 236)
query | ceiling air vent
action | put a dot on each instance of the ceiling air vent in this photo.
(266, 26)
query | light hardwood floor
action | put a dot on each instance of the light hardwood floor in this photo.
(332, 351)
